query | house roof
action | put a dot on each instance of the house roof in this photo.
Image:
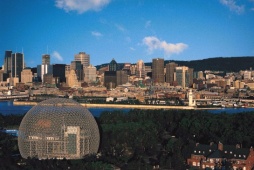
(229, 151)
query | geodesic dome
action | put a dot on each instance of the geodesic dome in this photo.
(58, 128)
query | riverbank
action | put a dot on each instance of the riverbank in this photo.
(117, 106)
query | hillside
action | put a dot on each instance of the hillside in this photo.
(226, 64)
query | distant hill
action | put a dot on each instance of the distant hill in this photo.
(226, 64)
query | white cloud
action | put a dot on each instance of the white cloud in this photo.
(153, 43)
(132, 49)
(148, 24)
(233, 6)
(57, 56)
(81, 6)
(120, 27)
(96, 34)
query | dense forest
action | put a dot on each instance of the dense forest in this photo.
(226, 64)
(142, 139)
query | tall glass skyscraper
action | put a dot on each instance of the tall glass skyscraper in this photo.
(45, 68)
(17, 65)
(7, 62)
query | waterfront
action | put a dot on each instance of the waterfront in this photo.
(7, 107)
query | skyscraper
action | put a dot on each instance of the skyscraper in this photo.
(90, 74)
(59, 71)
(45, 68)
(140, 69)
(7, 62)
(84, 58)
(170, 69)
(77, 66)
(184, 76)
(113, 65)
(17, 65)
(158, 70)
(45, 59)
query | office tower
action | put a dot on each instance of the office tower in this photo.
(121, 77)
(59, 71)
(71, 79)
(158, 70)
(90, 74)
(77, 66)
(184, 76)
(7, 62)
(26, 75)
(45, 59)
(113, 66)
(170, 69)
(58, 128)
(127, 68)
(84, 58)
(45, 68)
(200, 75)
(190, 71)
(17, 65)
(110, 79)
(140, 69)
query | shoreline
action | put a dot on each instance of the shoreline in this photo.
(124, 106)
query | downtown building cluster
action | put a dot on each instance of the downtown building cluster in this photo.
(160, 79)
(80, 72)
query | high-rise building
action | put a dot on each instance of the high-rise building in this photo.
(113, 66)
(121, 77)
(7, 62)
(26, 75)
(90, 74)
(158, 70)
(77, 66)
(110, 79)
(72, 80)
(59, 71)
(200, 75)
(140, 69)
(17, 65)
(45, 59)
(170, 69)
(45, 68)
(184, 76)
(84, 58)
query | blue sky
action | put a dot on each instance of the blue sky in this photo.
(126, 30)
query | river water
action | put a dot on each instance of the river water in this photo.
(7, 107)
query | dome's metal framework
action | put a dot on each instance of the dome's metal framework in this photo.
(58, 128)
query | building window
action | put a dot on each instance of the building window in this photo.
(194, 151)
(194, 164)
(198, 151)
(230, 152)
(239, 156)
(234, 155)
(226, 152)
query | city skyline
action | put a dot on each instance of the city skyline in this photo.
(126, 30)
